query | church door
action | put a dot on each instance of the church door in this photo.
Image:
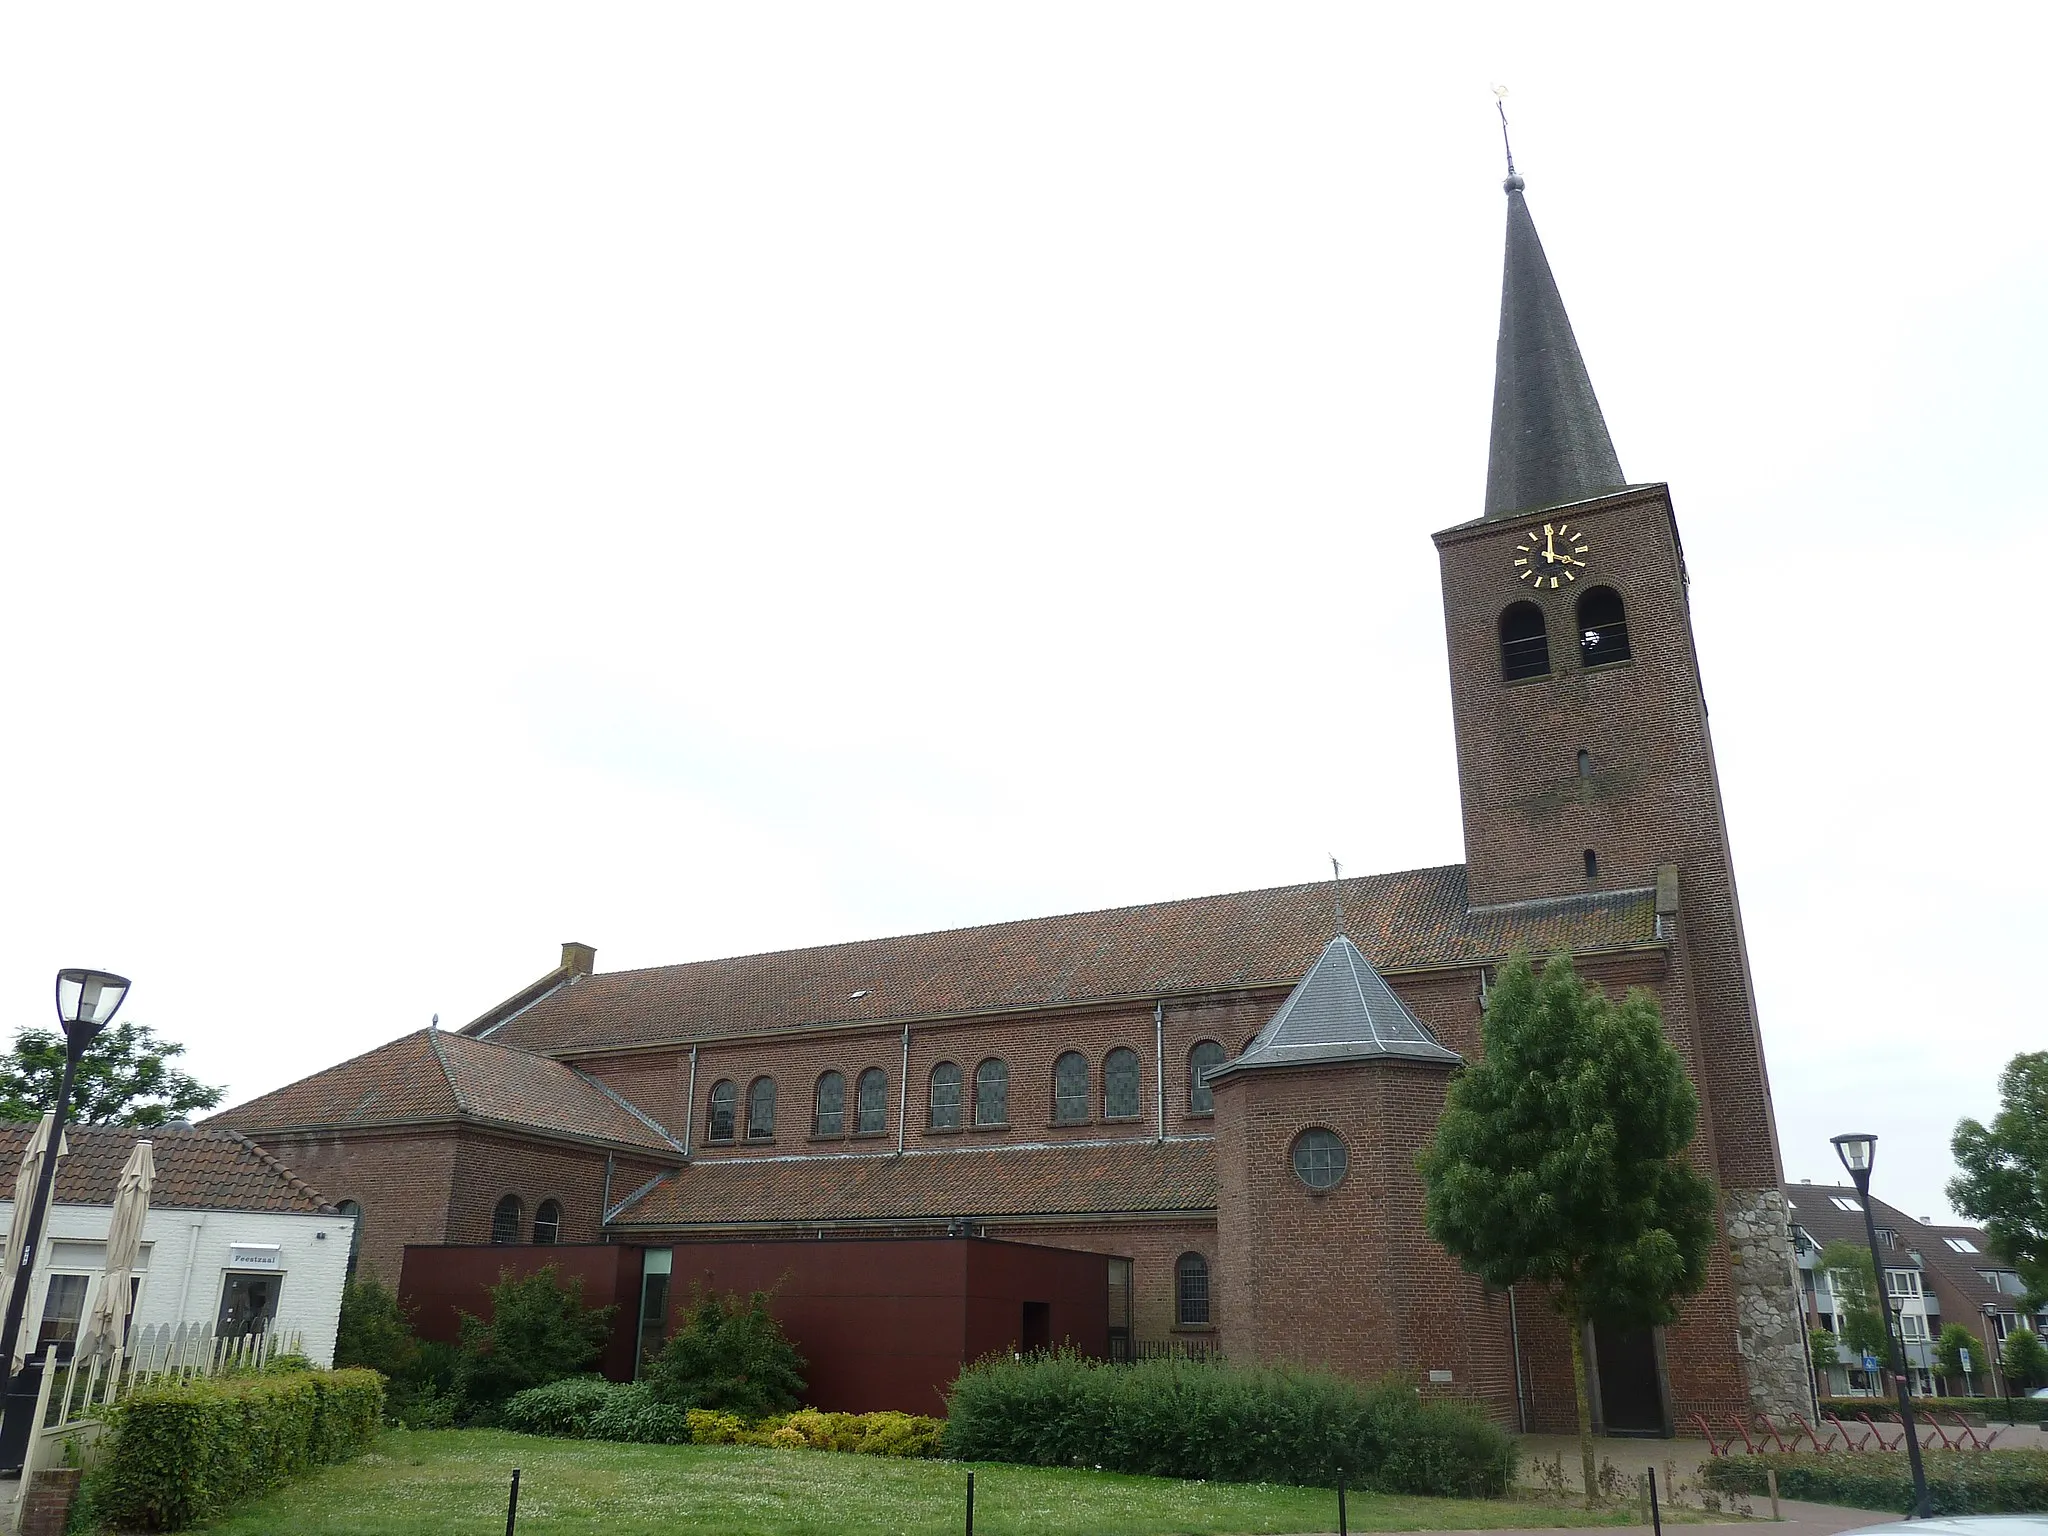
(1631, 1391)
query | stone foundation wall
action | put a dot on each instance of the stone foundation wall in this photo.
(1770, 1333)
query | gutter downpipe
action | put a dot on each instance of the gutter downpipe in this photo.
(1515, 1343)
(604, 1211)
(196, 1225)
(903, 1093)
(690, 1107)
(1159, 1063)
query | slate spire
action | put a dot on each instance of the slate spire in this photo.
(1550, 443)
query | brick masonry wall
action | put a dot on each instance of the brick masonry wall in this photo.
(1029, 1043)
(46, 1509)
(400, 1178)
(1348, 1278)
(1154, 1248)
(489, 1167)
(1653, 795)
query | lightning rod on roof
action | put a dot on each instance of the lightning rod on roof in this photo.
(1500, 105)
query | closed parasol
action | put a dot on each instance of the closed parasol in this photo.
(106, 1329)
(25, 1180)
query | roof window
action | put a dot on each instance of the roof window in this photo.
(1843, 1203)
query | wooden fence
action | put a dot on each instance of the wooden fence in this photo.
(76, 1394)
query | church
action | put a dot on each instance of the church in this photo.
(1220, 1094)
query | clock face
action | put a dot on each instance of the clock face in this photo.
(1552, 558)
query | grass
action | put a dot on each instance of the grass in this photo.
(453, 1483)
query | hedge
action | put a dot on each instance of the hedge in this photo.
(1885, 1410)
(586, 1408)
(1958, 1482)
(179, 1454)
(1226, 1423)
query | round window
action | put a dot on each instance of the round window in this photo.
(1319, 1159)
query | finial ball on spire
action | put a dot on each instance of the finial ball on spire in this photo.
(1514, 183)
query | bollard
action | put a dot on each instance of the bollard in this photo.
(1343, 1520)
(512, 1509)
(1656, 1520)
(1771, 1482)
(970, 1504)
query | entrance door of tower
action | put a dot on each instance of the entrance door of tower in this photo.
(1631, 1388)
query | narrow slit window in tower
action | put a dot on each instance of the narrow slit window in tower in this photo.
(1592, 865)
(1585, 764)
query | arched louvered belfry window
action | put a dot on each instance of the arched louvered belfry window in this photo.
(1191, 1291)
(830, 1116)
(1524, 643)
(725, 1100)
(1603, 627)
(1206, 1055)
(355, 1233)
(871, 1102)
(761, 1109)
(1121, 1086)
(1070, 1089)
(508, 1220)
(547, 1222)
(946, 1097)
(992, 1092)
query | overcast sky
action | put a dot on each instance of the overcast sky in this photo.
(703, 479)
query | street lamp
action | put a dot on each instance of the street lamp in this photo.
(86, 1004)
(1858, 1152)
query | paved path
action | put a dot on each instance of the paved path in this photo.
(1799, 1520)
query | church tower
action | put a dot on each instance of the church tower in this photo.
(1584, 761)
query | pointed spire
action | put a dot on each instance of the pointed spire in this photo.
(1550, 442)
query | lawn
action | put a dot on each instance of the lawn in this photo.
(453, 1483)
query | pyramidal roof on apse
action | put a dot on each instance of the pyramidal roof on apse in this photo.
(1342, 1010)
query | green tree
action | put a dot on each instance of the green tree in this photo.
(124, 1078)
(2025, 1360)
(374, 1330)
(731, 1355)
(2004, 1178)
(1857, 1320)
(539, 1331)
(1826, 1353)
(1949, 1349)
(1560, 1160)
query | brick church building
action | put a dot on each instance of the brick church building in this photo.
(1217, 1092)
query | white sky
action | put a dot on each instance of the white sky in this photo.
(703, 479)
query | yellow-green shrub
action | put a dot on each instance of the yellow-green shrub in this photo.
(708, 1427)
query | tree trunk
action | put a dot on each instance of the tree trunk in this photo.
(1578, 1332)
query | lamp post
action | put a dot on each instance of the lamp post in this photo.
(1857, 1153)
(86, 1004)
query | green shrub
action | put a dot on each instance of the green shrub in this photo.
(1958, 1482)
(632, 1412)
(561, 1408)
(730, 1354)
(424, 1407)
(1885, 1410)
(539, 1331)
(1226, 1423)
(178, 1454)
(374, 1331)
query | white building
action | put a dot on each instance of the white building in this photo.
(233, 1239)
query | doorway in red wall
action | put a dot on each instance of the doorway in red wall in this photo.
(1037, 1330)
